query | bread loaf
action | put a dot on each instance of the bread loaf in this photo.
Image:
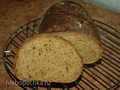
(71, 17)
(46, 57)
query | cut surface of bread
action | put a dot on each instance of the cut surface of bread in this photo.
(50, 58)
(88, 47)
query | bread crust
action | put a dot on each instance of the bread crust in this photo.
(63, 16)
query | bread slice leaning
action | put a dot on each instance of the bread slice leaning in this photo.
(87, 46)
(46, 57)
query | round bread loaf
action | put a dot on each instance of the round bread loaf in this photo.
(50, 58)
(71, 17)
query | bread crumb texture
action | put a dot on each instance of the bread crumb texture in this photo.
(46, 57)
(87, 46)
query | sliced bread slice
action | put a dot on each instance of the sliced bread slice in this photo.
(87, 46)
(46, 57)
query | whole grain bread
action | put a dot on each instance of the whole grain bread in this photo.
(46, 57)
(68, 16)
(88, 47)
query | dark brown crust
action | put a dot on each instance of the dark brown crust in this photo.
(65, 16)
